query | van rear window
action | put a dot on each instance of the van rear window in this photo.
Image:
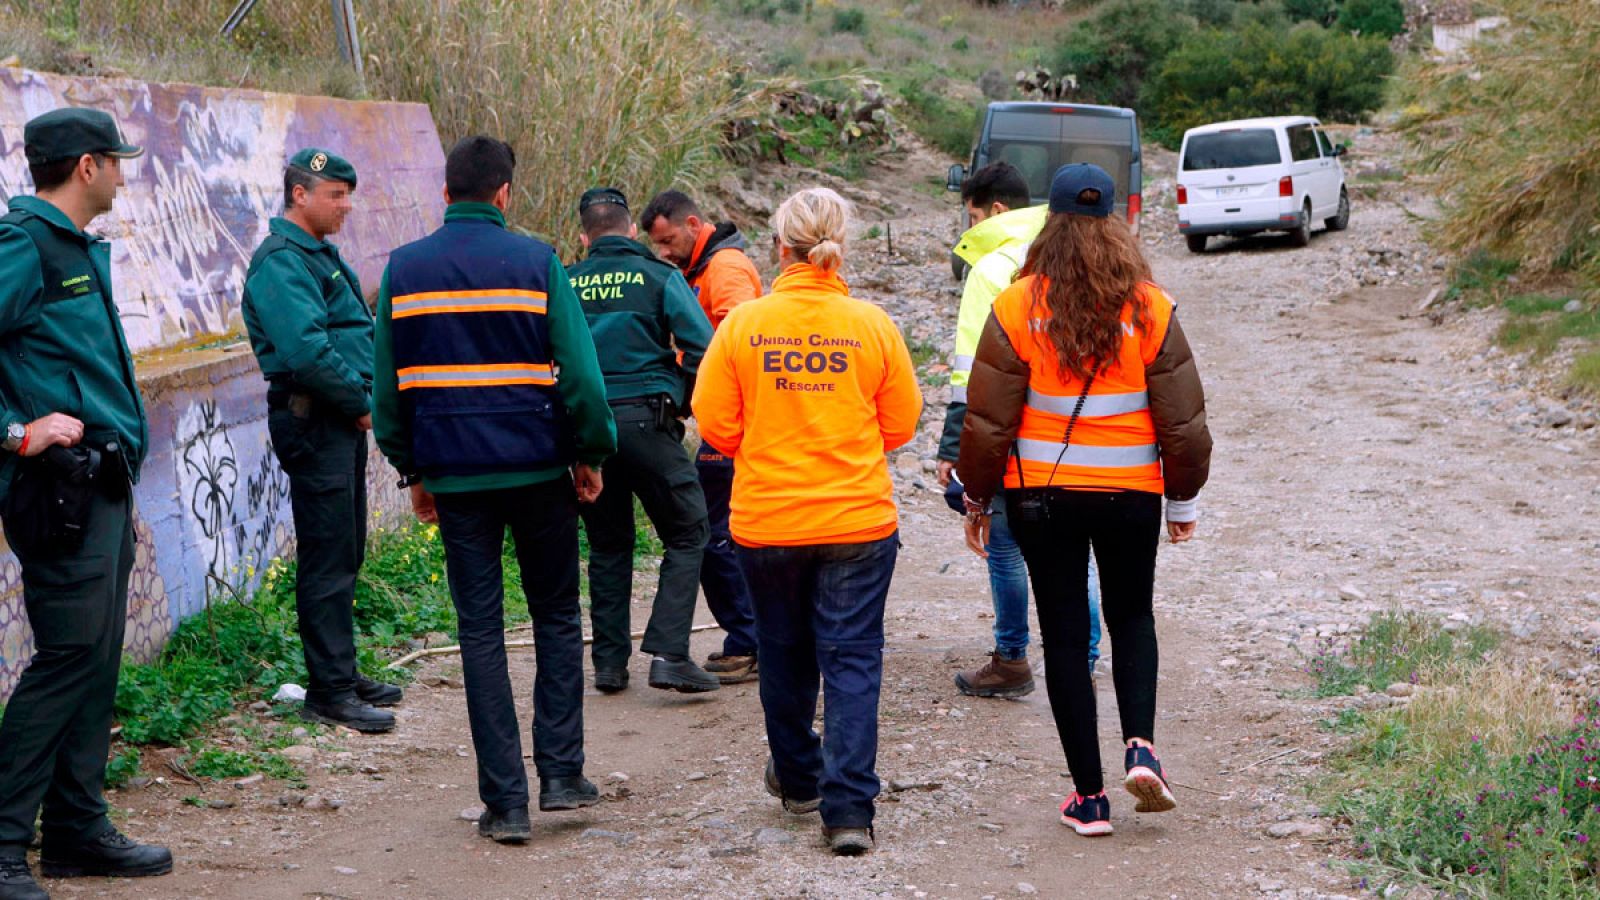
(1231, 149)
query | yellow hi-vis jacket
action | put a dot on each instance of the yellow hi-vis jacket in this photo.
(996, 249)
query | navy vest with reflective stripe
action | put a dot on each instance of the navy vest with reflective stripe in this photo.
(472, 352)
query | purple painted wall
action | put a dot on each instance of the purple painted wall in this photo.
(212, 504)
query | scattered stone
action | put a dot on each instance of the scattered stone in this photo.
(1282, 830)
(1352, 594)
(1572, 306)
(298, 753)
(896, 786)
(617, 777)
(261, 706)
(315, 801)
(437, 639)
(344, 870)
(773, 836)
(1269, 885)
(1556, 417)
(299, 733)
(248, 780)
(725, 852)
(991, 827)
(471, 813)
(620, 838)
(1025, 888)
(221, 803)
(696, 776)
(140, 781)
(1400, 689)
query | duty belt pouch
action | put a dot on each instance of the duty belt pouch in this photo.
(47, 509)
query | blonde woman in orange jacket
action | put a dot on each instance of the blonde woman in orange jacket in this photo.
(807, 389)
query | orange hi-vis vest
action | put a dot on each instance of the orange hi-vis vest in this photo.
(1113, 444)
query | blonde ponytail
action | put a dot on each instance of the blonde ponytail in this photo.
(812, 224)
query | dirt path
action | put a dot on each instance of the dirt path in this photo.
(1355, 449)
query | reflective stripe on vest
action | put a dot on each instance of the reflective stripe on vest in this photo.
(475, 376)
(1113, 444)
(497, 300)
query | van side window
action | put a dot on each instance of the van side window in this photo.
(1302, 143)
(1324, 142)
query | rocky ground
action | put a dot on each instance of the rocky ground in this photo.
(1368, 455)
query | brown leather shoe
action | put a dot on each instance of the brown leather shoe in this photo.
(732, 669)
(1005, 678)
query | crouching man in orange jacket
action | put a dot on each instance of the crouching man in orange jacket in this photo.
(807, 389)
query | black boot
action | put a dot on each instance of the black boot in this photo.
(509, 827)
(610, 681)
(16, 882)
(378, 693)
(682, 675)
(568, 792)
(112, 854)
(351, 712)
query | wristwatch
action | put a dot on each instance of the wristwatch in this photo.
(408, 480)
(16, 433)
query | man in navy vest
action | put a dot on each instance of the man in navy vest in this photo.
(75, 435)
(488, 398)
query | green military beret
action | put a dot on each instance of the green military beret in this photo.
(70, 133)
(323, 164)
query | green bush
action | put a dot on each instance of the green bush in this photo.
(948, 124)
(1116, 49)
(1258, 70)
(850, 20)
(1322, 12)
(1383, 18)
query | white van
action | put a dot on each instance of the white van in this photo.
(1255, 175)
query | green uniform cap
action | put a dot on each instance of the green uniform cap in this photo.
(70, 133)
(323, 164)
(598, 195)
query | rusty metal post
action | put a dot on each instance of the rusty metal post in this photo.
(348, 36)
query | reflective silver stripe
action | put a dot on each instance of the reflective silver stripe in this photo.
(963, 362)
(1094, 406)
(470, 304)
(958, 393)
(1084, 455)
(497, 375)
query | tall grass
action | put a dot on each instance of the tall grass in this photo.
(624, 93)
(1509, 133)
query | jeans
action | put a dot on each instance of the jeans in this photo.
(652, 464)
(56, 734)
(1008, 585)
(543, 519)
(819, 616)
(1122, 528)
(727, 594)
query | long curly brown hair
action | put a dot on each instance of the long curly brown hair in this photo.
(1092, 266)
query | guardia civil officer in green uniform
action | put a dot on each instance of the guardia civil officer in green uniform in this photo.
(641, 311)
(312, 334)
(74, 436)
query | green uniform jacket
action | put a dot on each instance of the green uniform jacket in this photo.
(579, 380)
(308, 325)
(638, 307)
(996, 249)
(62, 348)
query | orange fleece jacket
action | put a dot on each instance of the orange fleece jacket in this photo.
(729, 279)
(807, 389)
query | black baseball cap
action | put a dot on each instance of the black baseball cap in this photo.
(70, 133)
(595, 196)
(1068, 186)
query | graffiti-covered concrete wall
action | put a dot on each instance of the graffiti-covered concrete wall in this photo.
(212, 504)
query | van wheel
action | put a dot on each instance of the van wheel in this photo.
(1301, 235)
(1341, 220)
(1196, 242)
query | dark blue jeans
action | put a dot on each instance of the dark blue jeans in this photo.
(727, 594)
(819, 617)
(543, 519)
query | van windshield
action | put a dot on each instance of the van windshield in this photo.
(1039, 143)
(1231, 149)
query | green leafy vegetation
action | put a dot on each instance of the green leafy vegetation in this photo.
(850, 20)
(1484, 783)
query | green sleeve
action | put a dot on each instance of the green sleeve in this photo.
(691, 330)
(389, 426)
(582, 385)
(290, 309)
(21, 287)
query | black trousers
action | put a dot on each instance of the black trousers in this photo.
(56, 734)
(1123, 528)
(326, 461)
(543, 519)
(652, 464)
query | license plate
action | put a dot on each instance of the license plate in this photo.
(1232, 191)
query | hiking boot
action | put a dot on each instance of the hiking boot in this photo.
(567, 792)
(112, 854)
(732, 669)
(1088, 816)
(999, 677)
(610, 681)
(680, 674)
(16, 882)
(791, 806)
(509, 827)
(848, 841)
(351, 712)
(378, 693)
(1146, 781)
